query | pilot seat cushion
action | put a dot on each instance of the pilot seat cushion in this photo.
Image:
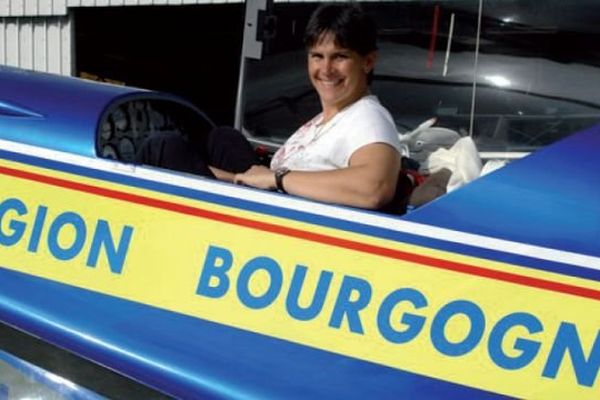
(223, 147)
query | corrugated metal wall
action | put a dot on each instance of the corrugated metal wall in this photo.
(20, 8)
(39, 43)
(16, 8)
(38, 34)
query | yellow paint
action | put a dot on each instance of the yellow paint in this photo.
(168, 249)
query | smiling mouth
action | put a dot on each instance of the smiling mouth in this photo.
(330, 83)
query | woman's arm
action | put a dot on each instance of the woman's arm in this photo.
(222, 175)
(368, 182)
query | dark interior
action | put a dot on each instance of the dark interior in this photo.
(192, 51)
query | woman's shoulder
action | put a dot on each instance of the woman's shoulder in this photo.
(369, 102)
(369, 107)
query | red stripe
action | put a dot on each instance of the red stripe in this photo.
(434, 32)
(310, 236)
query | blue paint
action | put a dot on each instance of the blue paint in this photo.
(60, 222)
(528, 349)
(550, 198)
(256, 264)
(36, 233)
(414, 323)
(217, 262)
(102, 242)
(17, 228)
(318, 299)
(103, 239)
(568, 341)
(69, 126)
(346, 306)
(198, 359)
(477, 324)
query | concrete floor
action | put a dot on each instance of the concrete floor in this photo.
(66, 365)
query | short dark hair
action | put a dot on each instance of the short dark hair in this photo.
(351, 27)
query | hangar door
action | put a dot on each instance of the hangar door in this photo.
(192, 51)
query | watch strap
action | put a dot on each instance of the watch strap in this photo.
(279, 174)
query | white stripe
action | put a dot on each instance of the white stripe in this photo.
(298, 204)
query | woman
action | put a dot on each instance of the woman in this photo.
(349, 153)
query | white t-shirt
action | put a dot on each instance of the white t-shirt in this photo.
(322, 147)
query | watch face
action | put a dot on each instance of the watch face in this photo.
(280, 172)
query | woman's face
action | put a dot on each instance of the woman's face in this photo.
(338, 74)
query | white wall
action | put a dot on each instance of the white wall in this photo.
(20, 8)
(38, 43)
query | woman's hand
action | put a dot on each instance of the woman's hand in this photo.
(257, 176)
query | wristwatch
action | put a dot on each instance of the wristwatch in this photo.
(279, 174)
